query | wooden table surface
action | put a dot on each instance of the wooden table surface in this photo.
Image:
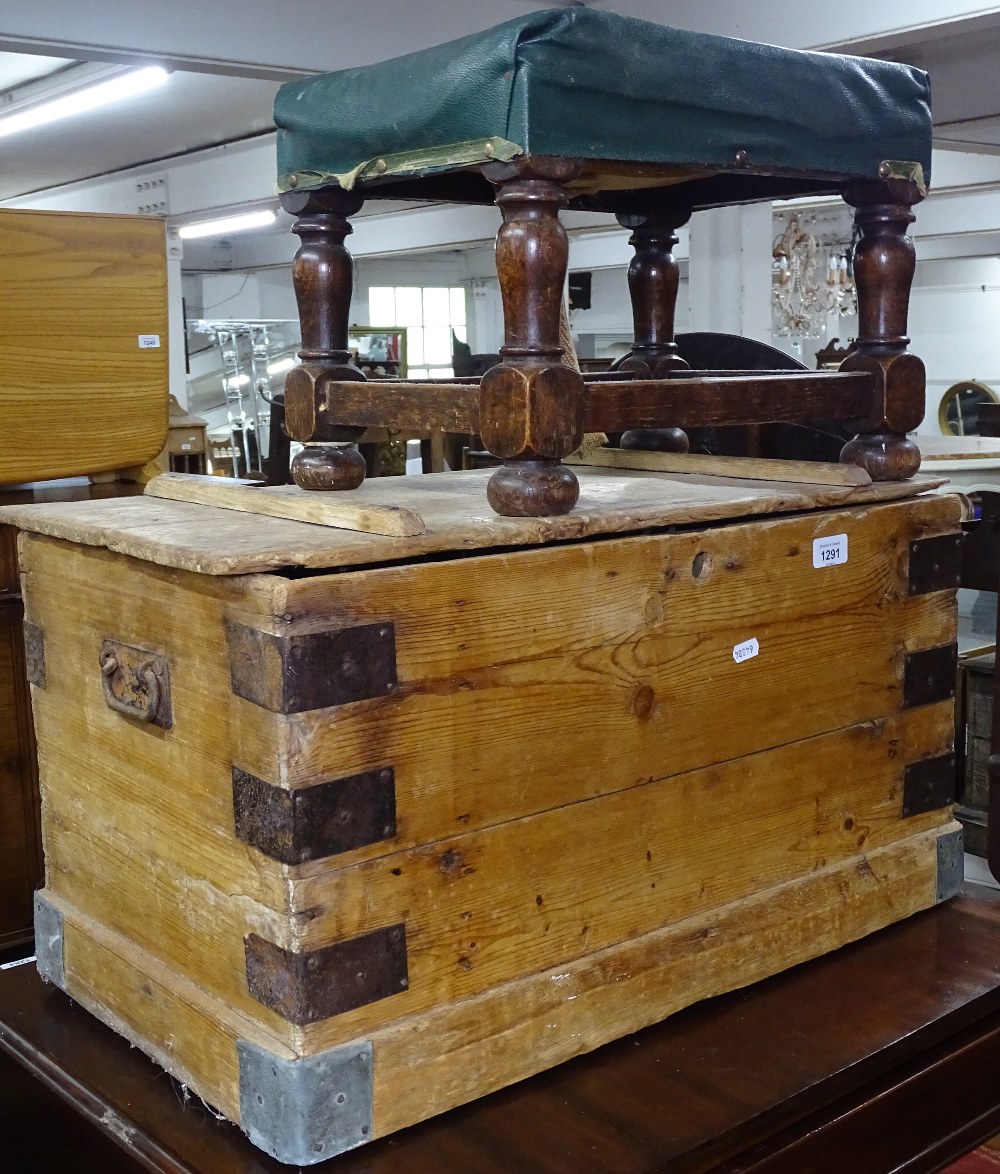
(958, 448)
(884, 1056)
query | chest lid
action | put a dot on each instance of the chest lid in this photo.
(435, 514)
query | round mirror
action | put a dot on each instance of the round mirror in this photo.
(958, 414)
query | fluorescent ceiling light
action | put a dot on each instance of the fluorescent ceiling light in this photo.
(227, 225)
(90, 96)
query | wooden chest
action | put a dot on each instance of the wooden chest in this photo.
(416, 817)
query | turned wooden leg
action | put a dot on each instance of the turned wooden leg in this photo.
(323, 275)
(531, 404)
(653, 280)
(884, 263)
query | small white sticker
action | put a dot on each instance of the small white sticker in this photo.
(830, 552)
(746, 650)
(19, 962)
(185, 448)
(149, 342)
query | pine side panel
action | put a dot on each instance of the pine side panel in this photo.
(503, 740)
(138, 821)
(192, 926)
(520, 650)
(483, 1044)
(187, 1032)
(77, 391)
(535, 603)
(490, 906)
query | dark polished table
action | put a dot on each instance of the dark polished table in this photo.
(884, 1056)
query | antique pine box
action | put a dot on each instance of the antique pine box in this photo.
(345, 829)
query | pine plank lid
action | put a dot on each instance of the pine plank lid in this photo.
(434, 514)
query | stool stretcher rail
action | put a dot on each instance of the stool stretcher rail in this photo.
(788, 397)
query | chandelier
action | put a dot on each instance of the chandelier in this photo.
(810, 279)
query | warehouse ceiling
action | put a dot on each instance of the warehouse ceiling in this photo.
(203, 107)
(192, 110)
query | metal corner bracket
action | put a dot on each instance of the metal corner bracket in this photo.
(49, 939)
(307, 1110)
(950, 864)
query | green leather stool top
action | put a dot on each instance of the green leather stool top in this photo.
(645, 105)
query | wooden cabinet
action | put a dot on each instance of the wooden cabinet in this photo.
(83, 352)
(20, 847)
(976, 726)
(83, 390)
(186, 450)
(20, 839)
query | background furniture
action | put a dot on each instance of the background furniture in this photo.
(960, 409)
(882, 1056)
(20, 835)
(978, 708)
(380, 351)
(20, 840)
(83, 390)
(83, 356)
(975, 735)
(187, 442)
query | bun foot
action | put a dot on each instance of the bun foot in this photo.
(328, 466)
(656, 440)
(885, 456)
(532, 489)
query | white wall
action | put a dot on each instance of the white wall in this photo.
(954, 319)
(954, 309)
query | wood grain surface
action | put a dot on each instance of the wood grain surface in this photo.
(749, 468)
(889, 1048)
(452, 505)
(77, 393)
(520, 1028)
(611, 406)
(553, 890)
(481, 648)
(150, 808)
(340, 510)
(602, 813)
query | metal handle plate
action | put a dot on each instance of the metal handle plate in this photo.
(136, 683)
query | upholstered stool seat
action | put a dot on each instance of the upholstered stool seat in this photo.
(579, 108)
(608, 89)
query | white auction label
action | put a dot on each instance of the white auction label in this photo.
(830, 552)
(746, 650)
(149, 342)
